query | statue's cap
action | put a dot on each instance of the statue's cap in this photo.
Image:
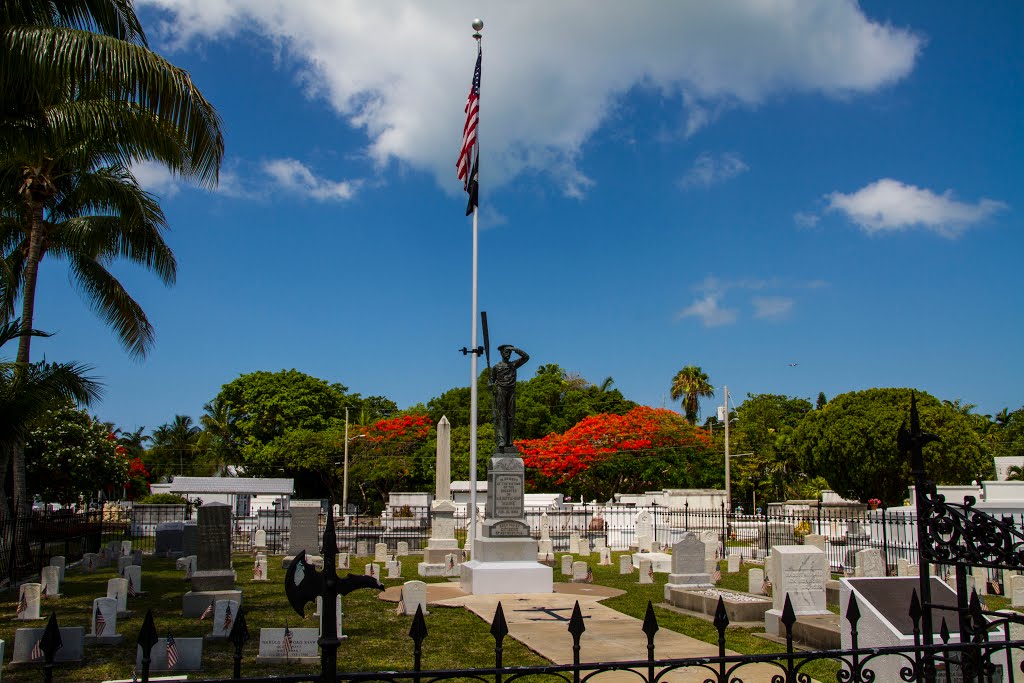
(505, 346)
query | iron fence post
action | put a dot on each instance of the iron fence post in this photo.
(885, 542)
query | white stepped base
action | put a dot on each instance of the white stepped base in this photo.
(489, 578)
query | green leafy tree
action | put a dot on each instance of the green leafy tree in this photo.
(72, 456)
(821, 402)
(852, 444)
(764, 428)
(266, 406)
(691, 384)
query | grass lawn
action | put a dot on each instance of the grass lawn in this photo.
(378, 638)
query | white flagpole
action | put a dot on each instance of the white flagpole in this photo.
(471, 513)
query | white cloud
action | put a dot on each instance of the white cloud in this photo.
(888, 205)
(709, 304)
(154, 177)
(710, 312)
(553, 72)
(805, 219)
(296, 177)
(771, 307)
(708, 170)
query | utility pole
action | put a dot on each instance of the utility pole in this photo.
(728, 488)
(344, 474)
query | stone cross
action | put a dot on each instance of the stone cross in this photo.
(443, 473)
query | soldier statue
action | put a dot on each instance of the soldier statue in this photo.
(503, 390)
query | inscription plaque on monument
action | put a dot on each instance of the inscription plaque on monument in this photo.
(508, 495)
(509, 528)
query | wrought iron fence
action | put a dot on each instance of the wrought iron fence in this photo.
(28, 543)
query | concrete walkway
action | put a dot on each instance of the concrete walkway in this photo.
(541, 622)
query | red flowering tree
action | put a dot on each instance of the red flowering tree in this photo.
(393, 454)
(138, 476)
(604, 454)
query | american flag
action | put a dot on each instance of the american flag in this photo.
(101, 622)
(132, 593)
(257, 570)
(37, 650)
(766, 587)
(717, 576)
(401, 606)
(590, 576)
(22, 604)
(208, 612)
(172, 652)
(286, 642)
(227, 617)
(650, 571)
(469, 155)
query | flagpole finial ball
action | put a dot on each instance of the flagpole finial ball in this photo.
(478, 24)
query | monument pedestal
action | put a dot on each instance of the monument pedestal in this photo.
(442, 540)
(489, 578)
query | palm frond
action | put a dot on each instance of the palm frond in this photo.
(114, 305)
(115, 18)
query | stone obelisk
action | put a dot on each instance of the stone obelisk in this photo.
(442, 530)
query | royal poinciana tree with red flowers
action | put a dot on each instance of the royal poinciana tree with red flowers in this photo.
(604, 454)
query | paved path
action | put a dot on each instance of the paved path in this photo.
(540, 621)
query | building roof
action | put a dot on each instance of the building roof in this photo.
(250, 485)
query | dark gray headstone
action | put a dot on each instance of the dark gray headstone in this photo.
(688, 555)
(304, 531)
(72, 637)
(190, 539)
(214, 537)
(190, 655)
(170, 538)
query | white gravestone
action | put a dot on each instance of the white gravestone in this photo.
(224, 614)
(342, 561)
(104, 620)
(403, 549)
(733, 565)
(372, 569)
(646, 571)
(566, 565)
(755, 581)
(118, 589)
(60, 562)
(980, 575)
(574, 544)
(869, 563)
(644, 528)
(90, 561)
(817, 540)
(50, 580)
(1017, 590)
(451, 564)
(122, 562)
(338, 611)
(599, 544)
(300, 646)
(605, 557)
(902, 567)
(126, 547)
(362, 548)
(259, 542)
(580, 570)
(133, 574)
(414, 594)
(545, 527)
(29, 598)
(625, 564)
(797, 571)
(260, 568)
(394, 569)
(545, 550)
(584, 547)
(380, 552)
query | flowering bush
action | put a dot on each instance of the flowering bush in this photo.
(401, 428)
(659, 448)
(70, 456)
(874, 502)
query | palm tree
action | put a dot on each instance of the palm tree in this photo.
(27, 392)
(173, 444)
(691, 384)
(81, 95)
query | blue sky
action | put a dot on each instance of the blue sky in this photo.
(736, 185)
